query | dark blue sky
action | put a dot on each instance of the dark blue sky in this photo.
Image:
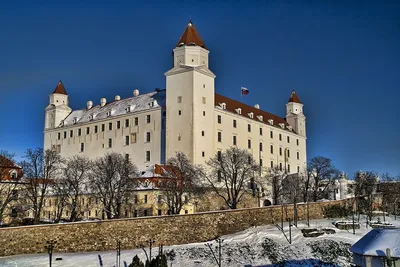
(342, 57)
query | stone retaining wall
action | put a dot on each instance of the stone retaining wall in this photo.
(166, 230)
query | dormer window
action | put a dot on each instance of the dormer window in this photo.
(251, 115)
(109, 113)
(271, 121)
(290, 128)
(223, 105)
(192, 44)
(62, 123)
(75, 120)
(260, 117)
(238, 111)
(282, 125)
(91, 117)
(128, 108)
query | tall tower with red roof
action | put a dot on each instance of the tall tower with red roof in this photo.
(294, 114)
(58, 108)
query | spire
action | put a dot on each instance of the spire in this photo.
(191, 37)
(294, 98)
(60, 89)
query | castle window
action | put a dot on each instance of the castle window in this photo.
(204, 86)
(118, 124)
(127, 140)
(219, 137)
(223, 105)
(288, 153)
(82, 147)
(261, 162)
(103, 127)
(109, 143)
(219, 156)
(282, 125)
(288, 139)
(133, 138)
(179, 99)
(238, 111)
(249, 143)
(75, 120)
(261, 131)
(109, 113)
(136, 121)
(203, 100)
(65, 135)
(79, 132)
(234, 123)
(271, 134)
(110, 126)
(87, 130)
(148, 118)
(127, 123)
(179, 112)
(59, 136)
(260, 117)
(280, 166)
(280, 137)
(145, 199)
(147, 137)
(288, 168)
(202, 154)
(272, 164)
(128, 108)
(249, 128)
(297, 141)
(202, 133)
(234, 140)
(251, 115)
(204, 113)
(298, 155)
(95, 129)
(280, 151)
(261, 146)
(272, 149)
(91, 117)
(179, 137)
(219, 176)
(298, 168)
(249, 160)
(219, 118)
(147, 156)
(271, 121)
(71, 133)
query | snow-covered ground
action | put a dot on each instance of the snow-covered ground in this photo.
(259, 246)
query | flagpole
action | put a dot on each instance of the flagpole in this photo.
(241, 93)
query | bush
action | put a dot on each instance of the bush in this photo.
(136, 262)
(336, 211)
(270, 250)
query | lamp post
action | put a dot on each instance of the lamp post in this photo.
(150, 242)
(118, 263)
(50, 244)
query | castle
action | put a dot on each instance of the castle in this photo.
(188, 116)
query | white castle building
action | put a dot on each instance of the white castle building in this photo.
(187, 116)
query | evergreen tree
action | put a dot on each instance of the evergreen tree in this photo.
(136, 262)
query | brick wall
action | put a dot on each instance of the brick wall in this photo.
(166, 230)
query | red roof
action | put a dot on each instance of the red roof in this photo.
(191, 37)
(60, 89)
(232, 105)
(294, 98)
(7, 163)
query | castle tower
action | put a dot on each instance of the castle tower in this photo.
(190, 99)
(58, 108)
(294, 114)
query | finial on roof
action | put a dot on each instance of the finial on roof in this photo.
(60, 89)
(294, 98)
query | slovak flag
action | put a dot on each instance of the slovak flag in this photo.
(245, 91)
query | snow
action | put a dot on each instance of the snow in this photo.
(376, 241)
(259, 246)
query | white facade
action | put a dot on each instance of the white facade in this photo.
(188, 116)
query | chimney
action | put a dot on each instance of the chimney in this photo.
(117, 98)
(257, 106)
(135, 92)
(89, 104)
(103, 102)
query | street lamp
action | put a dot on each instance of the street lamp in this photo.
(50, 244)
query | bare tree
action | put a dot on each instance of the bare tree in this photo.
(180, 182)
(41, 168)
(323, 174)
(307, 179)
(71, 185)
(390, 188)
(366, 182)
(292, 191)
(8, 182)
(274, 178)
(111, 178)
(230, 172)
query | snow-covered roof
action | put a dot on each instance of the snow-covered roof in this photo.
(118, 107)
(377, 241)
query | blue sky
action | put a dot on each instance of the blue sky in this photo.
(342, 58)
